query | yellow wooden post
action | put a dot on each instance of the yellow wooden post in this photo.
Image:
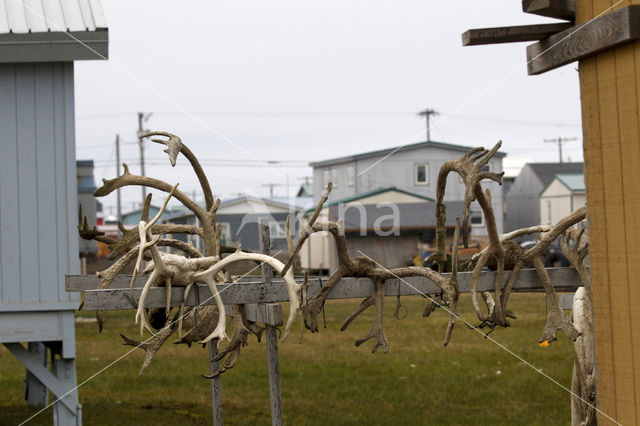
(610, 92)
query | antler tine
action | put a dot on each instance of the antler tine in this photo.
(475, 153)
(174, 144)
(164, 206)
(484, 159)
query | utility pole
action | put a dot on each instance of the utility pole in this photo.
(428, 113)
(271, 186)
(560, 140)
(119, 207)
(142, 118)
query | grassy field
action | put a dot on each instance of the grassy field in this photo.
(326, 379)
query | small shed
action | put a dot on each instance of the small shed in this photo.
(38, 188)
(564, 194)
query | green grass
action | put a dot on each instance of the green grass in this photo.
(326, 379)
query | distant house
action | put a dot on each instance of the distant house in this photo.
(305, 190)
(89, 204)
(390, 225)
(563, 195)
(239, 220)
(523, 199)
(413, 168)
(134, 216)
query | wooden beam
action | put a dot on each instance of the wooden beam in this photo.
(580, 42)
(519, 33)
(561, 9)
(564, 279)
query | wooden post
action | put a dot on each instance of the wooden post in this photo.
(610, 92)
(216, 385)
(272, 335)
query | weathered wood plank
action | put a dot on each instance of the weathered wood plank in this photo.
(75, 283)
(564, 279)
(265, 313)
(560, 9)
(582, 41)
(479, 36)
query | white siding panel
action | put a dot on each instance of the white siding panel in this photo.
(97, 12)
(46, 189)
(60, 170)
(71, 184)
(35, 15)
(55, 16)
(16, 16)
(73, 15)
(27, 205)
(9, 236)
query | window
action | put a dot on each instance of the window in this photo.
(278, 229)
(225, 236)
(486, 168)
(476, 218)
(351, 175)
(325, 178)
(422, 174)
(334, 177)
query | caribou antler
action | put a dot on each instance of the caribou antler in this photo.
(209, 275)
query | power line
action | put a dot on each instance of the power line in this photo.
(327, 114)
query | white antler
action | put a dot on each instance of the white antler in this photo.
(209, 275)
(159, 269)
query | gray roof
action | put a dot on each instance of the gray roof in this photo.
(412, 216)
(395, 149)
(52, 30)
(546, 172)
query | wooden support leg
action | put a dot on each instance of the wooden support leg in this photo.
(216, 387)
(65, 371)
(35, 392)
(66, 411)
(274, 375)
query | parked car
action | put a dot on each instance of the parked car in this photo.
(553, 256)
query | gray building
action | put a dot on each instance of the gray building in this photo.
(89, 204)
(239, 220)
(413, 168)
(523, 199)
(38, 189)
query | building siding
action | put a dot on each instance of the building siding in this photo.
(38, 199)
(399, 170)
(523, 202)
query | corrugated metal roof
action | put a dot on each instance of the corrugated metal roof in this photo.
(573, 181)
(34, 16)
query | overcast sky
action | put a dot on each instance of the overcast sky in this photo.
(255, 81)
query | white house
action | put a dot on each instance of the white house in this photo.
(563, 195)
